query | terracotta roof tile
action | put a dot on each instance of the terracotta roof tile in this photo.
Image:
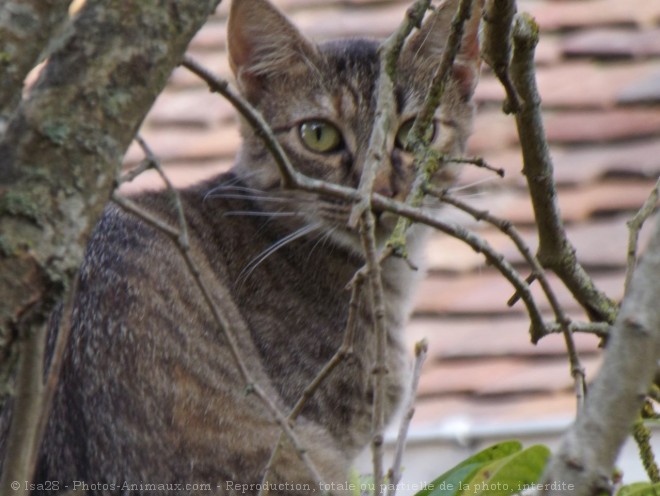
(578, 84)
(619, 124)
(578, 204)
(561, 16)
(643, 91)
(486, 293)
(477, 337)
(612, 43)
(188, 143)
(449, 255)
(468, 410)
(191, 108)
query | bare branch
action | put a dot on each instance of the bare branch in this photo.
(478, 244)
(589, 449)
(555, 250)
(477, 162)
(180, 238)
(635, 226)
(344, 351)
(577, 371)
(428, 161)
(26, 27)
(385, 108)
(642, 436)
(22, 441)
(368, 237)
(496, 46)
(600, 329)
(394, 474)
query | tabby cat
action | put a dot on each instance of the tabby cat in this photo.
(150, 392)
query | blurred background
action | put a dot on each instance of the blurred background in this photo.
(598, 72)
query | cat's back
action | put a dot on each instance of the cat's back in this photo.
(149, 374)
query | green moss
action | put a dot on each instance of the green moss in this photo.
(19, 203)
(58, 133)
(6, 248)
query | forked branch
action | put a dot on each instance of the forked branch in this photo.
(555, 251)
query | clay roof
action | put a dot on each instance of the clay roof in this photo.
(599, 76)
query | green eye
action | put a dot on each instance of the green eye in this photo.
(404, 131)
(320, 136)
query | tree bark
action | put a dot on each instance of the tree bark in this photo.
(26, 27)
(62, 148)
(589, 449)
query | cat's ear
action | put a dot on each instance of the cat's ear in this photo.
(429, 43)
(262, 43)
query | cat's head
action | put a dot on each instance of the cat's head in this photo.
(320, 102)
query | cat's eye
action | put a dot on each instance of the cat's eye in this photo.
(320, 136)
(404, 131)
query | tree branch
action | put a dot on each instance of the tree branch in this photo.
(368, 237)
(555, 250)
(180, 238)
(62, 150)
(496, 46)
(26, 27)
(427, 161)
(635, 226)
(394, 474)
(589, 449)
(385, 108)
(562, 319)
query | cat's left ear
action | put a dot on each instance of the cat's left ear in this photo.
(263, 43)
(430, 41)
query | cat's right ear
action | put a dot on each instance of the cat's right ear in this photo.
(262, 43)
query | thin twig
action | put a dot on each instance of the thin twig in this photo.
(428, 161)
(478, 162)
(181, 241)
(28, 404)
(394, 474)
(635, 226)
(477, 243)
(368, 238)
(57, 358)
(642, 436)
(291, 178)
(600, 329)
(345, 350)
(577, 371)
(385, 113)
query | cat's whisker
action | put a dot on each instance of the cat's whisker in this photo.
(249, 268)
(472, 184)
(249, 213)
(238, 196)
(321, 241)
(233, 187)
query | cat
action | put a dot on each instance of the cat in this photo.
(149, 391)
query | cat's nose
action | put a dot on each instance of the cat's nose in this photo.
(383, 185)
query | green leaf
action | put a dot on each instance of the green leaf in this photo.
(451, 482)
(639, 489)
(509, 475)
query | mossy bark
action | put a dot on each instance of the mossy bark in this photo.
(26, 26)
(62, 148)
